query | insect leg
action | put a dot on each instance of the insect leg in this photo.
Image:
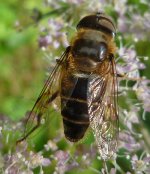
(125, 77)
(32, 130)
(120, 75)
(39, 116)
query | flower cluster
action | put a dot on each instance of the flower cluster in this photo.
(136, 24)
(52, 35)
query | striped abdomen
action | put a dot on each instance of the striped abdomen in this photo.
(74, 108)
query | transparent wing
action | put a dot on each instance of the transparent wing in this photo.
(103, 110)
(49, 92)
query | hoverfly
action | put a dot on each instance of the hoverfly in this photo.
(85, 81)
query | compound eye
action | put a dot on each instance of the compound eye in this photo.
(106, 22)
(102, 50)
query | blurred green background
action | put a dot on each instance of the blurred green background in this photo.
(22, 66)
